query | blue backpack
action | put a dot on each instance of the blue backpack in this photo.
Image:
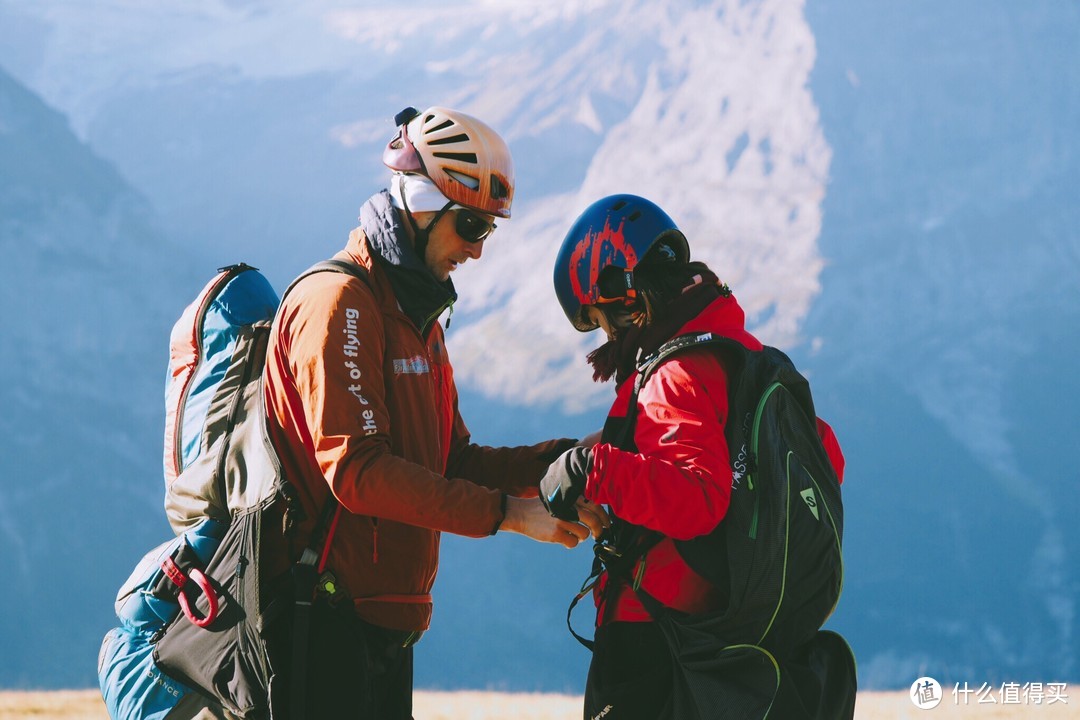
(194, 611)
(132, 684)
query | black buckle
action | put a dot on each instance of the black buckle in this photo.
(606, 552)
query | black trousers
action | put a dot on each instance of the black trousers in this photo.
(354, 669)
(630, 677)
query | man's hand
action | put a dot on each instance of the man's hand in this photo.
(531, 519)
(592, 516)
(591, 439)
(564, 482)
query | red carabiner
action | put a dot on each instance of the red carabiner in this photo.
(180, 579)
(211, 600)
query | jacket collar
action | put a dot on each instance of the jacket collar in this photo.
(723, 316)
(421, 296)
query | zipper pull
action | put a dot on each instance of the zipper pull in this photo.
(450, 316)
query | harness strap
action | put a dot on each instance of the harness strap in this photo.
(312, 561)
(305, 575)
(619, 569)
(586, 588)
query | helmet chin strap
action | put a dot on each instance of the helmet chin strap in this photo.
(420, 235)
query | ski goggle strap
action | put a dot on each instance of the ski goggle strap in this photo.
(614, 284)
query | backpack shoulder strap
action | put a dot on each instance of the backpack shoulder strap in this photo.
(622, 432)
(648, 365)
(329, 512)
(305, 570)
(332, 265)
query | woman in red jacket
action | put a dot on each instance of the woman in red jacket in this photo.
(624, 267)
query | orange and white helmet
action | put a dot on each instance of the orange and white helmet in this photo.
(466, 159)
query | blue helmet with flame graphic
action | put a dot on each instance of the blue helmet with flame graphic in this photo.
(596, 261)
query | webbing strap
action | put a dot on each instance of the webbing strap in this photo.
(305, 575)
(304, 585)
(618, 568)
(630, 541)
(648, 365)
(305, 570)
(586, 588)
(620, 558)
(332, 265)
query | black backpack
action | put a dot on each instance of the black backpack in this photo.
(777, 552)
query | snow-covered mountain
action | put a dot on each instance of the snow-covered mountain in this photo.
(886, 190)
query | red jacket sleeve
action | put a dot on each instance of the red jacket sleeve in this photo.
(679, 483)
(832, 448)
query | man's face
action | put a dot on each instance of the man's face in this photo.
(446, 249)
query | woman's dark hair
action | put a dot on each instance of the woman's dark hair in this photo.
(659, 280)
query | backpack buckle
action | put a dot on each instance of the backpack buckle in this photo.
(606, 552)
(328, 588)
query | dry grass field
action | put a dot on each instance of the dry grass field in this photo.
(87, 705)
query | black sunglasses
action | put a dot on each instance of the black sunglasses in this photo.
(471, 227)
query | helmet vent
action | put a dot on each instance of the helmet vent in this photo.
(634, 215)
(499, 191)
(460, 157)
(441, 126)
(460, 138)
(467, 180)
(618, 205)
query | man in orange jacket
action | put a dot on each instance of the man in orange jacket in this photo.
(363, 407)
